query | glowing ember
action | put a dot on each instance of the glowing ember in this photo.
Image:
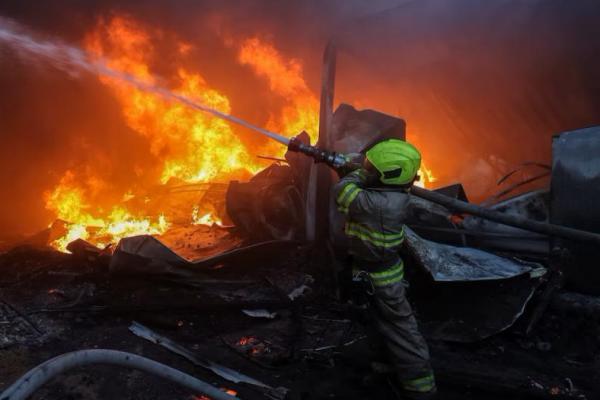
(207, 218)
(230, 392)
(245, 340)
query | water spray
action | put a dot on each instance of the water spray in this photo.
(72, 59)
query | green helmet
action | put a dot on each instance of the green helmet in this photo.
(396, 160)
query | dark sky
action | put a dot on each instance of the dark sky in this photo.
(482, 84)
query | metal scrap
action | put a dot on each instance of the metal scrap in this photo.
(224, 372)
(474, 294)
(260, 313)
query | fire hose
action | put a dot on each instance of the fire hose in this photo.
(341, 162)
(38, 376)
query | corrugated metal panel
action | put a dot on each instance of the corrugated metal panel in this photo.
(575, 201)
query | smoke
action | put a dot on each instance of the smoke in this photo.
(482, 85)
(72, 60)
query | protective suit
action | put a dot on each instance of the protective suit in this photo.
(374, 227)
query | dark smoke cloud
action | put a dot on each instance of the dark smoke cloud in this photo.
(481, 83)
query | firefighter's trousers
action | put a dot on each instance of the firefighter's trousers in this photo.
(393, 319)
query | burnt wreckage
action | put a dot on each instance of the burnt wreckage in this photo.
(505, 294)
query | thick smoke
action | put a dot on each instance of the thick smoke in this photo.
(482, 85)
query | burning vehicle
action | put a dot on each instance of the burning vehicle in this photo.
(191, 200)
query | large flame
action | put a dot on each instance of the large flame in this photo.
(187, 146)
(191, 145)
(286, 79)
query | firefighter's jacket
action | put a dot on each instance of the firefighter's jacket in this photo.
(374, 225)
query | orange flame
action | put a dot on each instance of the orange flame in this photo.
(194, 147)
(187, 145)
(285, 78)
(427, 176)
(205, 217)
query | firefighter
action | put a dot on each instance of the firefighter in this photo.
(374, 200)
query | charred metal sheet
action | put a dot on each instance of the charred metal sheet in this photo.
(448, 263)
(471, 311)
(575, 196)
(456, 191)
(269, 206)
(197, 242)
(220, 370)
(354, 131)
(474, 294)
(147, 255)
(532, 205)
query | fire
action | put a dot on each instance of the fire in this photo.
(75, 231)
(68, 201)
(427, 176)
(245, 340)
(286, 80)
(192, 146)
(185, 145)
(188, 146)
(205, 218)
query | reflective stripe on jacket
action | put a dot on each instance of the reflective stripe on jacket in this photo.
(374, 220)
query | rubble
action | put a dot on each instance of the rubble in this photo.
(222, 371)
(480, 299)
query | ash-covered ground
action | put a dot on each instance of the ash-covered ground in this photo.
(316, 346)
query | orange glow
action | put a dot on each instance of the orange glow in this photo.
(189, 146)
(192, 146)
(68, 201)
(185, 145)
(230, 392)
(427, 176)
(245, 340)
(286, 79)
(205, 217)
